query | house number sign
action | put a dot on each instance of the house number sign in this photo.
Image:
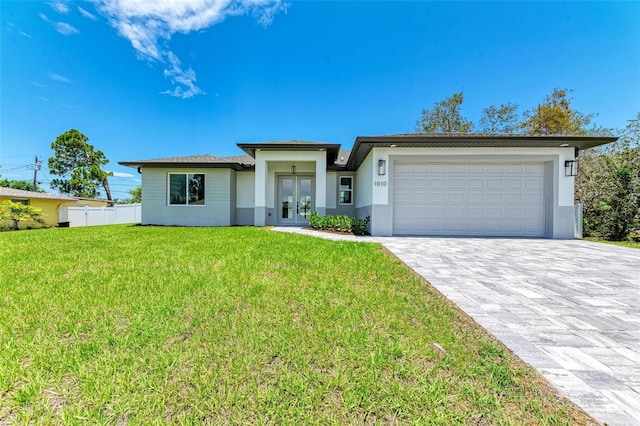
(379, 183)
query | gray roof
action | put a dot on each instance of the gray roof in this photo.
(338, 159)
(364, 144)
(188, 161)
(19, 193)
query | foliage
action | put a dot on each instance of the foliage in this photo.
(445, 116)
(20, 213)
(241, 325)
(608, 187)
(135, 195)
(555, 116)
(79, 165)
(24, 185)
(340, 223)
(500, 119)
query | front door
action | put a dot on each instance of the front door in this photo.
(295, 199)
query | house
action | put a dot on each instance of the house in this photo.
(409, 184)
(49, 203)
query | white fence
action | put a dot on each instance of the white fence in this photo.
(93, 216)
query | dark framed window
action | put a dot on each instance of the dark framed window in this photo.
(345, 190)
(186, 189)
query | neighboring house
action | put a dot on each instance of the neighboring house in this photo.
(49, 203)
(409, 184)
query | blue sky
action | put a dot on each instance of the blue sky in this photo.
(162, 78)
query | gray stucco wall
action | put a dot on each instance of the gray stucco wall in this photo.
(215, 212)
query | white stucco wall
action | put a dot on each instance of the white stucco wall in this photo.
(364, 182)
(332, 190)
(215, 212)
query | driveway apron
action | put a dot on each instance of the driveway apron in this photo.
(569, 308)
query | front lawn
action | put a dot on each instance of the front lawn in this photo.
(139, 325)
(631, 244)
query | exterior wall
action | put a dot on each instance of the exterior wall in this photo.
(50, 209)
(245, 198)
(219, 185)
(271, 164)
(333, 191)
(559, 197)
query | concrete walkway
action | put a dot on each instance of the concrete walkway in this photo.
(571, 309)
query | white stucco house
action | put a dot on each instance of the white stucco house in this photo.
(409, 184)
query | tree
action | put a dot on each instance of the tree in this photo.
(608, 186)
(445, 116)
(136, 195)
(500, 119)
(554, 116)
(25, 185)
(17, 212)
(80, 166)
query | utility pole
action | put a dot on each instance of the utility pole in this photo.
(36, 167)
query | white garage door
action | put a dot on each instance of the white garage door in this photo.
(468, 199)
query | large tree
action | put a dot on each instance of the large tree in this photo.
(500, 119)
(79, 165)
(555, 116)
(445, 116)
(608, 186)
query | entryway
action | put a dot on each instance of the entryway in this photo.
(296, 199)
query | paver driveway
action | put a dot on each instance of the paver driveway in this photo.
(569, 308)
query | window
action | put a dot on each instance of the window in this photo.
(186, 189)
(346, 189)
(25, 202)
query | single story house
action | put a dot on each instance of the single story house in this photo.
(49, 203)
(409, 184)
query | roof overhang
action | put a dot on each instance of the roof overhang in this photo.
(190, 165)
(364, 144)
(332, 149)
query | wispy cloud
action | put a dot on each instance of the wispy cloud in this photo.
(59, 6)
(150, 25)
(57, 77)
(122, 175)
(35, 83)
(65, 29)
(61, 27)
(22, 33)
(42, 98)
(86, 14)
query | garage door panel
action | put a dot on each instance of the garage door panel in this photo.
(469, 199)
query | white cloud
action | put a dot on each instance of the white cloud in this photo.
(61, 27)
(122, 175)
(22, 33)
(149, 25)
(86, 14)
(65, 29)
(57, 77)
(59, 6)
(35, 83)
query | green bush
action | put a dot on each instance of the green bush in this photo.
(340, 223)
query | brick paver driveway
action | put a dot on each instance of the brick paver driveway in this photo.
(571, 309)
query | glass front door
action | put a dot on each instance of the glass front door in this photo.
(295, 199)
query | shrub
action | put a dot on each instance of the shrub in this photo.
(17, 213)
(340, 223)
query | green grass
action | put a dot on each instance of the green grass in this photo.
(630, 244)
(139, 325)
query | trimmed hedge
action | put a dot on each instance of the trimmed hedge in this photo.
(340, 223)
